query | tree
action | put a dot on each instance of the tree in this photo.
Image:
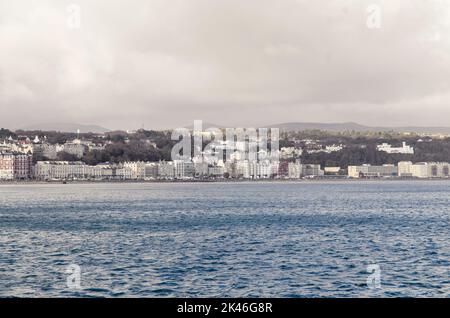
(65, 156)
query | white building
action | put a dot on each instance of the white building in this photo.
(74, 148)
(327, 149)
(137, 169)
(101, 172)
(64, 170)
(123, 173)
(332, 170)
(263, 170)
(47, 150)
(290, 152)
(404, 149)
(424, 169)
(6, 166)
(16, 148)
(184, 169)
(60, 170)
(201, 169)
(243, 169)
(369, 171)
(215, 171)
(22, 166)
(166, 170)
(151, 170)
(312, 170)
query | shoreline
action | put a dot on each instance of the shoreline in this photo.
(315, 180)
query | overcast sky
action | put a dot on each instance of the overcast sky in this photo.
(164, 63)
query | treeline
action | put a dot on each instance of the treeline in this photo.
(120, 146)
(430, 151)
(57, 137)
(5, 133)
(150, 145)
(134, 150)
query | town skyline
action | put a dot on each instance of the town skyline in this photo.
(238, 154)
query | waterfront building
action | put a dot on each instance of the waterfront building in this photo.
(65, 170)
(22, 166)
(201, 169)
(183, 169)
(311, 170)
(420, 170)
(166, 170)
(137, 169)
(404, 169)
(424, 169)
(230, 169)
(60, 170)
(243, 169)
(151, 170)
(101, 172)
(294, 170)
(332, 170)
(260, 170)
(74, 148)
(369, 171)
(122, 172)
(274, 168)
(215, 171)
(6, 166)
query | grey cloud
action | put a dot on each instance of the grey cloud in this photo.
(165, 63)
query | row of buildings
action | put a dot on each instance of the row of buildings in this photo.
(20, 167)
(404, 169)
(173, 170)
(244, 169)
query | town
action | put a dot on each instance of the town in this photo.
(145, 156)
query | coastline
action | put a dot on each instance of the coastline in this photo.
(314, 180)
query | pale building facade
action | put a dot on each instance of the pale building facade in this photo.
(6, 166)
(404, 149)
(368, 171)
(424, 169)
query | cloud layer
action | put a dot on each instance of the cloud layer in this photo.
(162, 63)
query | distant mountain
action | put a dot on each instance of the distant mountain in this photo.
(205, 125)
(350, 126)
(338, 127)
(321, 126)
(291, 126)
(67, 127)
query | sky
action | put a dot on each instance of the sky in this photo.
(164, 63)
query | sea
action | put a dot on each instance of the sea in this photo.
(230, 239)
